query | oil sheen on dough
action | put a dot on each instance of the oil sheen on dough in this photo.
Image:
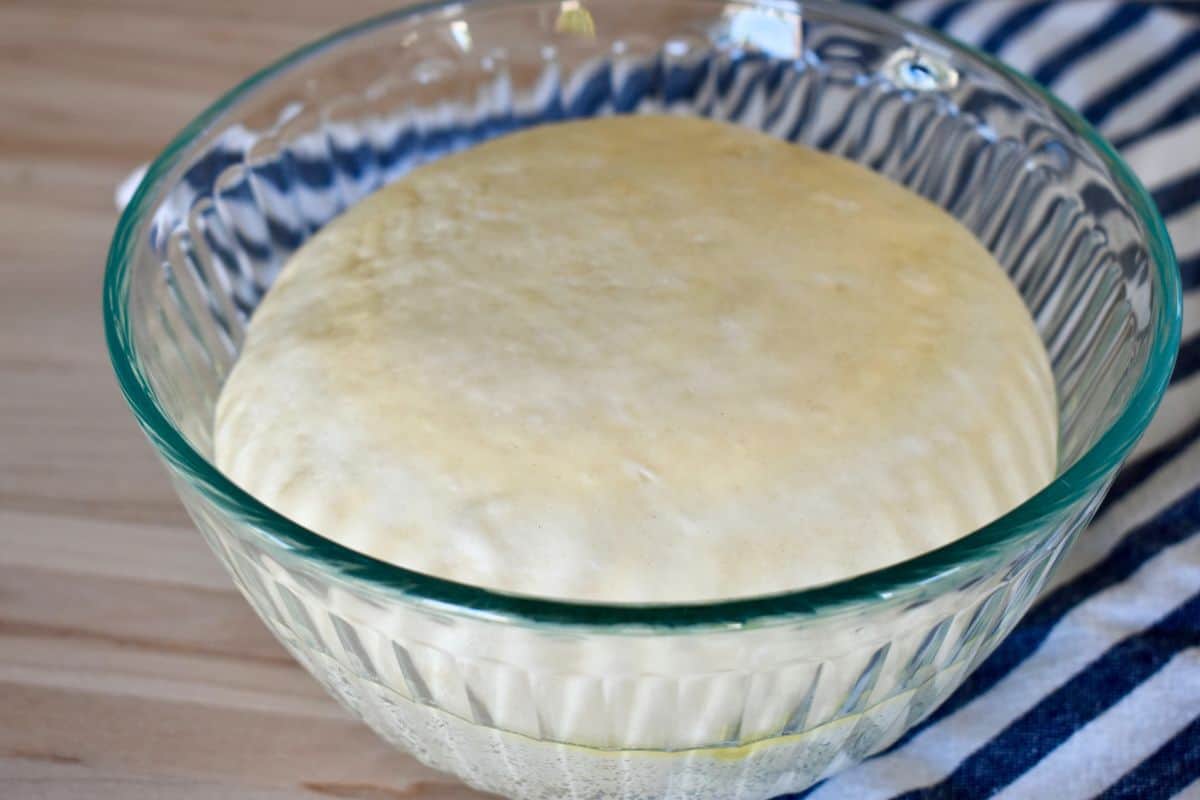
(641, 359)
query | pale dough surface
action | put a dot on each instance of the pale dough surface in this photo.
(641, 359)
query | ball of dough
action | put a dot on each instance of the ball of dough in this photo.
(641, 359)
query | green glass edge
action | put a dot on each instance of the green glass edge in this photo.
(879, 585)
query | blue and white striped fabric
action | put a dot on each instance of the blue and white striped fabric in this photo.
(1097, 692)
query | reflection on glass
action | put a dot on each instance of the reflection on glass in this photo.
(461, 32)
(574, 18)
(774, 31)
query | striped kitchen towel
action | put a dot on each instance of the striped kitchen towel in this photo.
(1097, 692)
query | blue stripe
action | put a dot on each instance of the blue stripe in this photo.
(1178, 195)
(1117, 23)
(882, 5)
(1170, 527)
(1185, 7)
(1187, 362)
(1135, 474)
(1037, 732)
(1099, 109)
(1182, 111)
(1013, 25)
(1189, 273)
(1171, 769)
(947, 14)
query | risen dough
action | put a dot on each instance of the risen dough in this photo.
(641, 359)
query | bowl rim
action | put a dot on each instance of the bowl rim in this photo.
(894, 581)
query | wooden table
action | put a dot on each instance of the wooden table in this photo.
(129, 666)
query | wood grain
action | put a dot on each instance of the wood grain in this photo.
(129, 666)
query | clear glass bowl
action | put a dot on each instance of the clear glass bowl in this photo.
(534, 698)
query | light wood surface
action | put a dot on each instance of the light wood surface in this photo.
(129, 666)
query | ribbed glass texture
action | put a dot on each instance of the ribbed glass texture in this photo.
(546, 700)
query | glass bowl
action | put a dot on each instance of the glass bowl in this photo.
(535, 698)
